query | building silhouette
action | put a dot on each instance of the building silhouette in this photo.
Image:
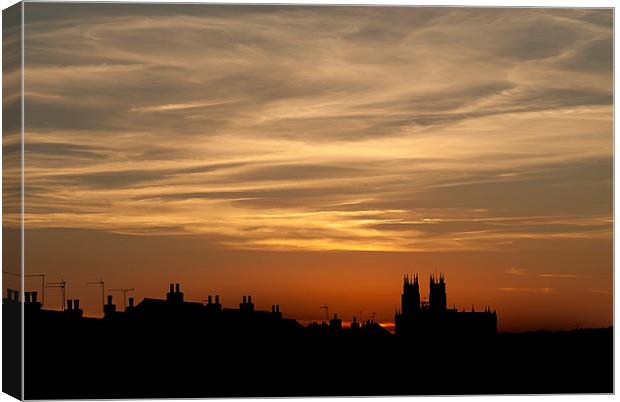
(416, 318)
(172, 347)
(432, 318)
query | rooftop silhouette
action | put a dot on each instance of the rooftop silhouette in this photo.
(172, 347)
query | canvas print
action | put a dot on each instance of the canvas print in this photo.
(232, 200)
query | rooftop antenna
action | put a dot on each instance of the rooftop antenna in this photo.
(102, 284)
(124, 290)
(326, 311)
(62, 285)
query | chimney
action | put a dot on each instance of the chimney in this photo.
(217, 299)
(209, 299)
(109, 309)
(69, 305)
(273, 308)
(177, 288)
(335, 316)
(76, 304)
(34, 296)
(16, 296)
(9, 295)
(245, 299)
(249, 299)
(172, 288)
(277, 308)
(27, 297)
(131, 302)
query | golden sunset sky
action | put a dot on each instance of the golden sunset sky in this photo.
(313, 155)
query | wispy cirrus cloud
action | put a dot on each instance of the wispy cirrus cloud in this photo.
(179, 106)
(517, 271)
(314, 128)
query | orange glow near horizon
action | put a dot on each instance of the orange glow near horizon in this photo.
(314, 155)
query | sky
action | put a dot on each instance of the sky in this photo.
(313, 155)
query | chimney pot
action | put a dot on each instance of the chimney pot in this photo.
(131, 302)
(217, 299)
(9, 294)
(27, 297)
(172, 288)
(277, 308)
(76, 304)
(34, 296)
(177, 287)
(245, 299)
(273, 308)
(69, 305)
(209, 299)
(16, 296)
(249, 299)
(109, 300)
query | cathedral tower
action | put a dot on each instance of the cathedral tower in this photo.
(410, 299)
(437, 299)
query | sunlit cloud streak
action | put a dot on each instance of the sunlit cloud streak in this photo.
(529, 290)
(600, 291)
(560, 275)
(517, 271)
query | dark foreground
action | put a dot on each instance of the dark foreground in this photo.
(94, 359)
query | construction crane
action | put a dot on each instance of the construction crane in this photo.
(124, 290)
(326, 311)
(102, 284)
(42, 276)
(62, 285)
